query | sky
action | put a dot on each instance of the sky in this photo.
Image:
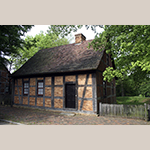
(89, 34)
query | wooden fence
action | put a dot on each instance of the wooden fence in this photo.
(129, 111)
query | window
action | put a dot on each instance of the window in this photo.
(107, 59)
(104, 88)
(40, 88)
(26, 88)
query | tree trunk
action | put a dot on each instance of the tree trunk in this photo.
(122, 89)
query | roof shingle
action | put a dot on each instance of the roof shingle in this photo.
(65, 58)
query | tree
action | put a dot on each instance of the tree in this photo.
(10, 40)
(64, 30)
(125, 87)
(128, 44)
(144, 88)
(34, 44)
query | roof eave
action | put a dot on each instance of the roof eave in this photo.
(52, 73)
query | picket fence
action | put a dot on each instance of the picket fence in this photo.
(128, 111)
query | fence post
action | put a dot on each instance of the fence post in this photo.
(100, 108)
(145, 112)
(148, 112)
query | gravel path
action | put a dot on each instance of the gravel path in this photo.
(42, 117)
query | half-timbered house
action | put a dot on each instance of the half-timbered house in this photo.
(66, 78)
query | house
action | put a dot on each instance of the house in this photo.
(5, 84)
(66, 78)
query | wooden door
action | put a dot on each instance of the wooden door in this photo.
(70, 95)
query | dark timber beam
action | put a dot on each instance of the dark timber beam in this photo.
(36, 93)
(52, 92)
(44, 92)
(18, 92)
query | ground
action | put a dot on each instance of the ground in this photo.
(31, 116)
(4, 123)
(135, 100)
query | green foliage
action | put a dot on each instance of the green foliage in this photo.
(110, 73)
(128, 45)
(128, 85)
(134, 84)
(10, 40)
(34, 44)
(64, 30)
(144, 88)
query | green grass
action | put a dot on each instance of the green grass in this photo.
(133, 100)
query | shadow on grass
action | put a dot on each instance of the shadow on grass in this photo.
(133, 100)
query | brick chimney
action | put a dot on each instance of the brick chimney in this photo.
(79, 38)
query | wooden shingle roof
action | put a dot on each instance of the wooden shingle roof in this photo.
(66, 58)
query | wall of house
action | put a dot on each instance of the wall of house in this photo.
(110, 95)
(54, 92)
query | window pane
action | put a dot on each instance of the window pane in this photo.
(25, 91)
(40, 84)
(40, 91)
(26, 85)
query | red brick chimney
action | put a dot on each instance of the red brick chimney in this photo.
(79, 38)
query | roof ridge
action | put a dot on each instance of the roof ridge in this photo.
(65, 45)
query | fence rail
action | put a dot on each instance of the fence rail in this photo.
(129, 111)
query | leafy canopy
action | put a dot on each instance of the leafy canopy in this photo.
(129, 45)
(10, 39)
(34, 44)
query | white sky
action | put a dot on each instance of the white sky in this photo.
(89, 34)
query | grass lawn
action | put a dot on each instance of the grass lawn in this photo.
(133, 100)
